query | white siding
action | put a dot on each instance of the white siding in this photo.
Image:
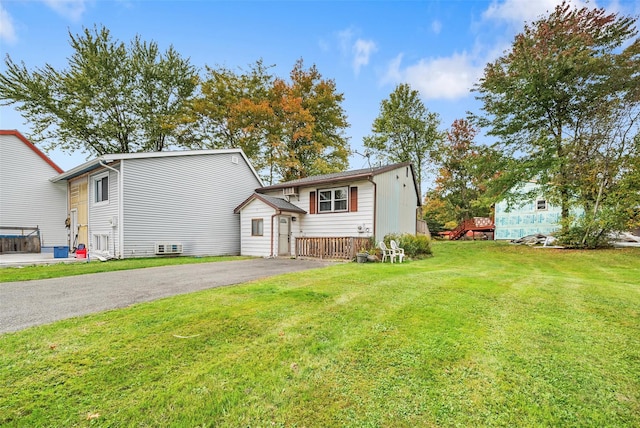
(184, 199)
(397, 202)
(259, 246)
(333, 224)
(27, 197)
(101, 213)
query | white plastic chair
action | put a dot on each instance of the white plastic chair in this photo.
(397, 250)
(387, 252)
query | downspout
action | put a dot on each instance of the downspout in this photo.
(117, 254)
(375, 204)
(121, 210)
(272, 217)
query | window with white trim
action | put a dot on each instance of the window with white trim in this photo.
(541, 205)
(101, 188)
(257, 227)
(333, 200)
(101, 242)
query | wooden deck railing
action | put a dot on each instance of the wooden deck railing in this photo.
(343, 248)
(476, 223)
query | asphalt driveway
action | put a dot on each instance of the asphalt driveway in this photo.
(25, 304)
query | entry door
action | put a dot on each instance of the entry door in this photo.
(284, 234)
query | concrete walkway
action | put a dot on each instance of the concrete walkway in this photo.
(29, 303)
(30, 259)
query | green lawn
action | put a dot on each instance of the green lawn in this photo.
(481, 334)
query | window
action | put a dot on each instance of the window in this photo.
(541, 204)
(102, 188)
(333, 200)
(101, 242)
(257, 225)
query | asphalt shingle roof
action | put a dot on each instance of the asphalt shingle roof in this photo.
(336, 176)
(281, 204)
(278, 204)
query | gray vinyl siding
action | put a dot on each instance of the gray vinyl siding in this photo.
(184, 199)
(100, 214)
(27, 197)
(396, 202)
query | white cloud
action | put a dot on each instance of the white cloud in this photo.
(519, 11)
(70, 9)
(436, 27)
(344, 40)
(452, 77)
(359, 51)
(437, 78)
(7, 31)
(362, 50)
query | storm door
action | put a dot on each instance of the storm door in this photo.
(284, 236)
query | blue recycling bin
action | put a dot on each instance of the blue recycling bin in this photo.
(61, 252)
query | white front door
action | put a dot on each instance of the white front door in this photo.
(284, 236)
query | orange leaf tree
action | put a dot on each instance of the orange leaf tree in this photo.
(288, 129)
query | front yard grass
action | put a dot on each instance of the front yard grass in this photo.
(481, 334)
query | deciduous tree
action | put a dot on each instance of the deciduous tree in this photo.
(288, 128)
(563, 103)
(405, 131)
(231, 111)
(112, 98)
(465, 169)
(313, 139)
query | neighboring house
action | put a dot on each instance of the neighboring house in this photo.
(332, 210)
(28, 197)
(537, 216)
(148, 204)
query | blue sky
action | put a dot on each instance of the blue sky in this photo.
(367, 47)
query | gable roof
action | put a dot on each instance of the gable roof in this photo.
(29, 144)
(336, 177)
(109, 158)
(278, 204)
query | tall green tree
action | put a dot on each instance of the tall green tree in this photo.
(289, 128)
(564, 103)
(112, 98)
(405, 131)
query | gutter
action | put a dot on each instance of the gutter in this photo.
(375, 204)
